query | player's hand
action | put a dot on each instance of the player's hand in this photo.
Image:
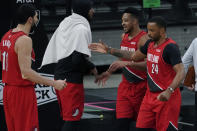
(117, 65)
(59, 84)
(102, 78)
(191, 88)
(98, 47)
(165, 95)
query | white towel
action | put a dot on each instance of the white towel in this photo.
(73, 34)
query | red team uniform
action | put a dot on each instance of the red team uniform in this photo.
(132, 88)
(154, 113)
(71, 101)
(19, 98)
(71, 98)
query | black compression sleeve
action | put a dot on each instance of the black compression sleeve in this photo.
(81, 61)
(77, 58)
(144, 48)
(171, 54)
(89, 65)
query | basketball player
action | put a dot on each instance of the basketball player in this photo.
(68, 48)
(19, 99)
(161, 104)
(132, 88)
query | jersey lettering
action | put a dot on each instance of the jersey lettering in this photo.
(7, 43)
(154, 69)
(152, 58)
(5, 60)
(127, 48)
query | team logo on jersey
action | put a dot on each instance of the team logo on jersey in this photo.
(9, 36)
(158, 50)
(35, 129)
(76, 112)
(133, 43)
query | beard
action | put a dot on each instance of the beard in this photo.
(33, 29)
(129, 30)
(89, 18)
(156, 38)
(126, 31)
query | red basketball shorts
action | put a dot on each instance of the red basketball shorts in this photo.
(157, 114)
(71, 101)
(129, 98)
(20, 106)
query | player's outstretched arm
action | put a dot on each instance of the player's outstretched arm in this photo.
(103, 48)
(23, 48)
(129, 55)
(102, 78)
(120, 64)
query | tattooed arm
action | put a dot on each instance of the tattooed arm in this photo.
(129, 55)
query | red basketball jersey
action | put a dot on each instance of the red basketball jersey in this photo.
(129, 73)
(11, 73)
(160, 73)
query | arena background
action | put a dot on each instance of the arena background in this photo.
(99, 113)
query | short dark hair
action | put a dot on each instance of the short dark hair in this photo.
(160, 21)
(82, 7)
(134, 12)
(24, 12)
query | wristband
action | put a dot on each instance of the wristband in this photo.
(171, 89)
(109, 50)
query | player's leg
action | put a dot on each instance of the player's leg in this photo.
(123, 124)
(8, 116)
(70, 126)
(145, 129)
(139, 90)
(26, 111)
(72, 105)
(146, 117)
(124, 109)
(167, 116)
(21, 108)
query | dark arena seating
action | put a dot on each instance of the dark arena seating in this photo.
(99, 113)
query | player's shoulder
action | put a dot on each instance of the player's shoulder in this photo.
(143, 39)
(23, 40)
(122, 36)
(171, 45)
(81, 29)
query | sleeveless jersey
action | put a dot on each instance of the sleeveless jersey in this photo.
(160, 74)
(11, 73)
(129, 73)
